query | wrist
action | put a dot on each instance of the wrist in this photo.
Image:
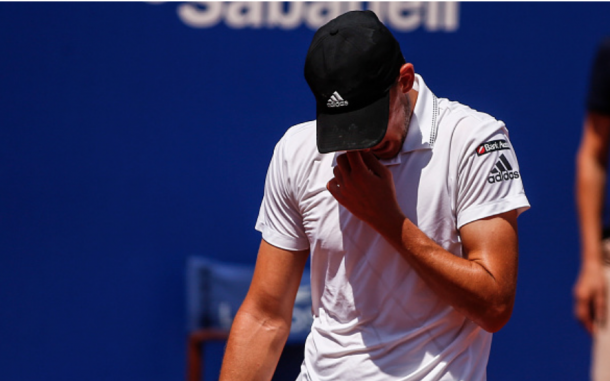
(592, 254)
(591, 264)
(390, 225)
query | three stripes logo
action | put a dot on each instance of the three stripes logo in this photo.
(502, 171)
(336, 101)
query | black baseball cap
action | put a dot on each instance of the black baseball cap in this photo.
(351, 64)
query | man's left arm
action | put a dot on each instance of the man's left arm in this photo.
(481, 284)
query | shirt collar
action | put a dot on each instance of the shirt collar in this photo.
(422, 127)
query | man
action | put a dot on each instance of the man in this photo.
(592, 287)
(412, 232)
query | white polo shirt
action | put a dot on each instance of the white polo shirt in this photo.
(374, 317)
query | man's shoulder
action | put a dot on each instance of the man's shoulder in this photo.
(465, 128)
(299, 142)
(465, 119)
(300, 131)
(456, 111)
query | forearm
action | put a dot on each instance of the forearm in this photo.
(466, 284)
(591, 167)
(590, 185)
(262, 323)
(254, 347)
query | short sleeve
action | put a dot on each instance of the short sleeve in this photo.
(489, 177)
(279, 219)
(598, 99)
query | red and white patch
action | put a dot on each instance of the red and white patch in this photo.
(491, 146)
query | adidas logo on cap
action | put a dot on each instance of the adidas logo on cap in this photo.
(502, 171)
(336, 101)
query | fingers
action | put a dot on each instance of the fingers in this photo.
(343, 163)
(355, 161)
(355, 168)
(338, 174)
(582, 310)
(374, 164)
(364, 161)
(584, 307)
(600, 307)
(334, 188)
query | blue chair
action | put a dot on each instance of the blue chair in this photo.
(215, 291)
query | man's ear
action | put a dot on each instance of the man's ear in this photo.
(406, 78)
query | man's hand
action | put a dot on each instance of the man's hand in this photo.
(365, 187)
(590, 296)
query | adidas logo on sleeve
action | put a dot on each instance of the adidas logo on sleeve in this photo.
(502, 171)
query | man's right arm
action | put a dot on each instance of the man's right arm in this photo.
(262, 323)
(591, 167)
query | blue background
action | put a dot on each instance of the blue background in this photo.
(130, 141)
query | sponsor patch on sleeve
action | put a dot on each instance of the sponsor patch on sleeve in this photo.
(491, 146)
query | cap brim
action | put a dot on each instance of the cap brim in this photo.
(353, 129)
